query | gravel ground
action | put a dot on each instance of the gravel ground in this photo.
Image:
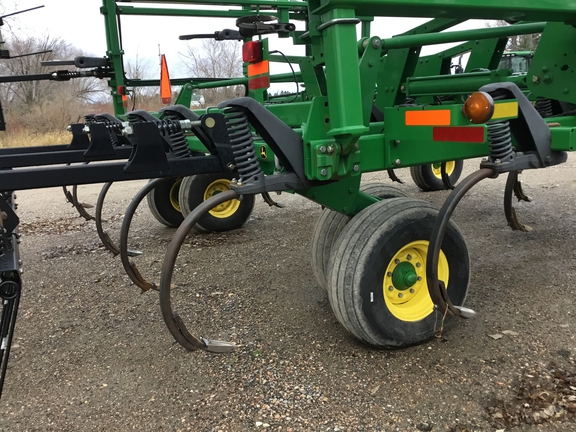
(91, 352)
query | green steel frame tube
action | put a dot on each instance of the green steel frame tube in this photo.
(343, 77)
(511, 10)
(400, 42)
(265, 3)
(464, 83)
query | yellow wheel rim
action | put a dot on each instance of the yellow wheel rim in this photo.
(437, 169)
(227, 208)
(174, 195)
(405, 289)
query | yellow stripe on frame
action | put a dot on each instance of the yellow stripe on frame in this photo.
(505, 109)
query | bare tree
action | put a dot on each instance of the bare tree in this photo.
(528, 42)
(141, 97)
(215, 59)
(64, 100)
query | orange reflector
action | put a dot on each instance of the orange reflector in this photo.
(459, 134)
(479, 107)
(125, 101)
(259, 82)
(428, 118)
(252, 51)
(165, 89)
(259, 68)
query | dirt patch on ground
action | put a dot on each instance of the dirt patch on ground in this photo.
(91, 351)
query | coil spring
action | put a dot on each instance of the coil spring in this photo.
(544, 107)
(134, 118)
(242, 145)
(166, 126)
(178, 141)
(114, 128)
(499, 140)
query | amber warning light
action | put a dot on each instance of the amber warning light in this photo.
(479, 107)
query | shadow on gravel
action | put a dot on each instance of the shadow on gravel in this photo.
(543, 397)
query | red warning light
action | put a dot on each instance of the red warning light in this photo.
(252, 52)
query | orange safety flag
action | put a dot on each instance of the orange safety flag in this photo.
(165, 89)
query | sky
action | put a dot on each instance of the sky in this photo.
(80, 23)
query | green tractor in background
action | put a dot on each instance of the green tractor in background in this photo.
(518, 61)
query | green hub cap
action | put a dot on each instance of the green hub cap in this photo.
(404, 276)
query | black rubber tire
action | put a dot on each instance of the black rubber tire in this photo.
(331, 223)
(160, 204)
(359, 260)
(191, 195)
(426, 180)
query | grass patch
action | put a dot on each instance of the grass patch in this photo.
(30, 140)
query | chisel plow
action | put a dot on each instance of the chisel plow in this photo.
(395, 268)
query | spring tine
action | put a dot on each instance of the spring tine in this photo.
(268, 200)
(130, 268)
(519, 192)
(436, 287)
(509, 212)
(172, 319)
(104, 237)
(393, 176)
(81, 207)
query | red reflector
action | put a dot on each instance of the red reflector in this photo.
(121, 90)
(252, 51)
(459, 134)
(259, 82)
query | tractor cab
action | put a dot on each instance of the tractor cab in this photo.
(518, 61)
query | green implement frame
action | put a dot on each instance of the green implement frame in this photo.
(377, 104)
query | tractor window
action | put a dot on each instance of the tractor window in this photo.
(519, 64)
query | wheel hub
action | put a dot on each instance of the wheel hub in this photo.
(174, 190)
(404, 276)
(227, 208)
(405, 289)
(437, 168)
